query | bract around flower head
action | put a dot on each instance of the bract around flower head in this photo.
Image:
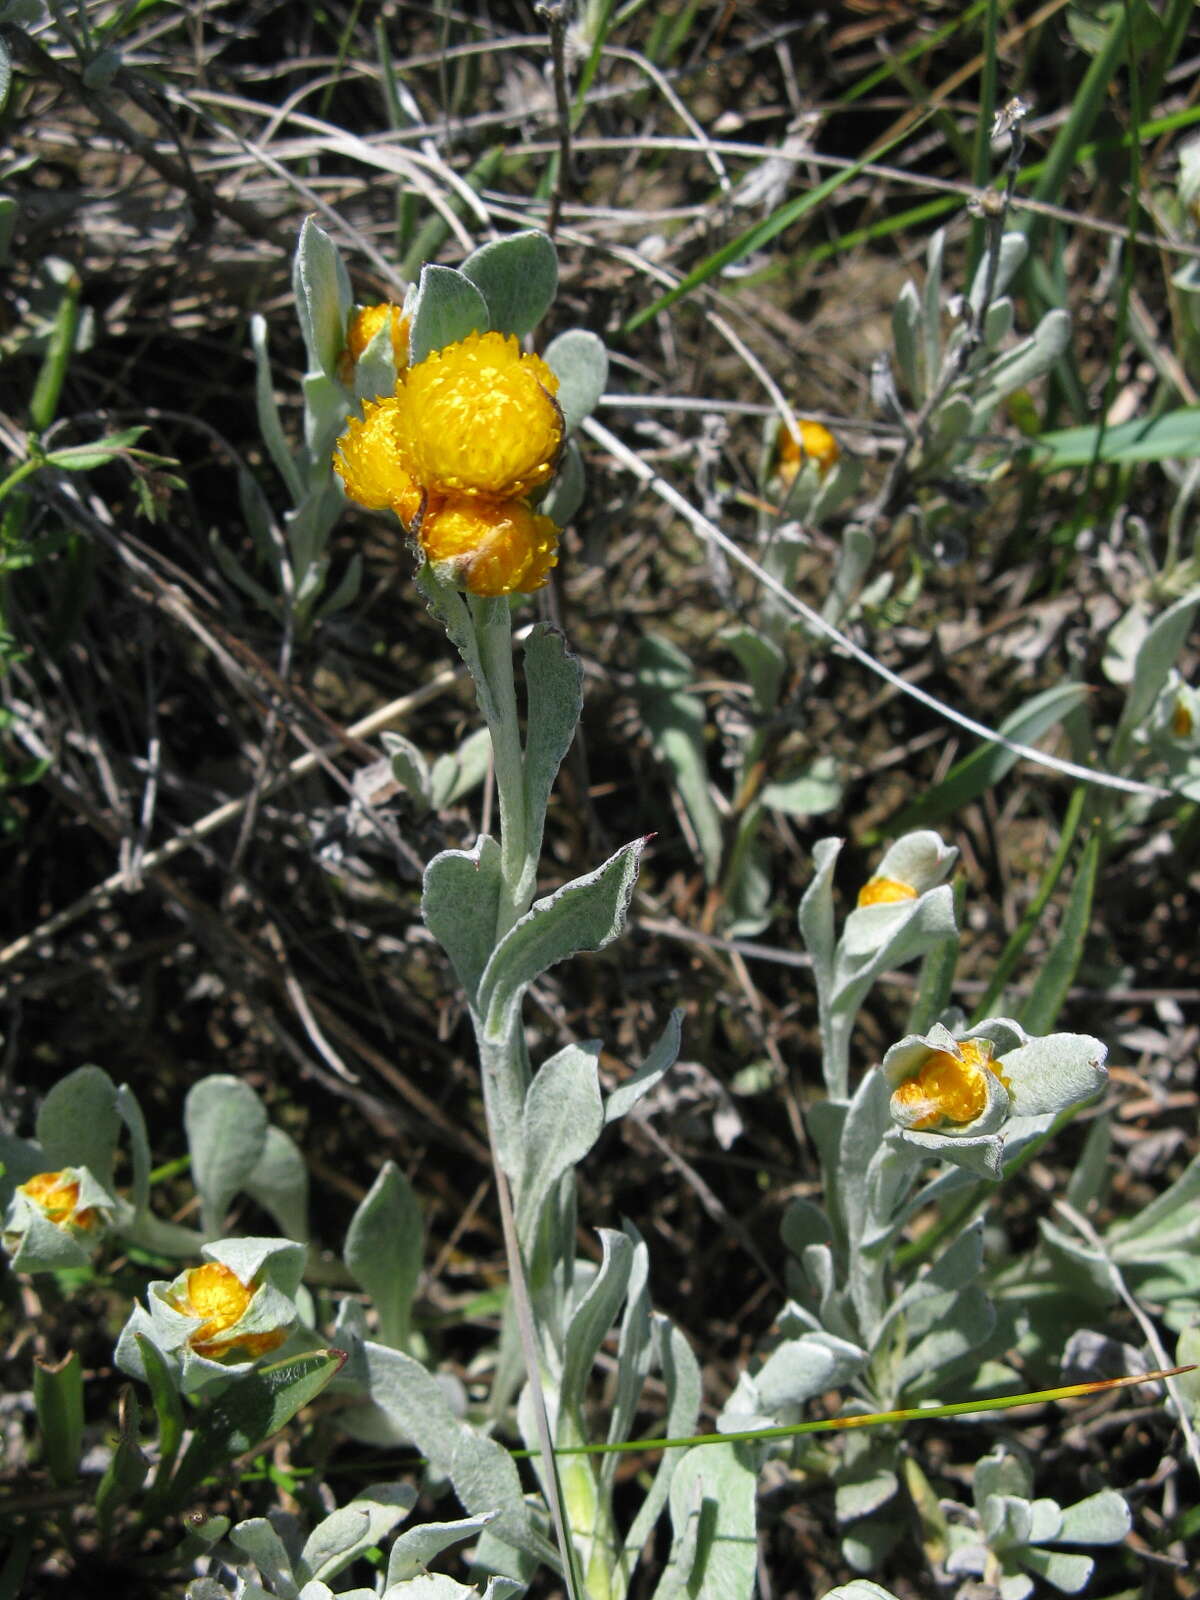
(218, 1320)
(952, 1097)
(1175, 720)
(913, 867)
(954, 1086)
(814, 443)
(57, 1219)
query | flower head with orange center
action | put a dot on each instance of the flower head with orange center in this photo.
(815, 443)
(952, 1087)
(364, 325)
(56, 1194)
(946, 1088)
(216, 1295)
(215, 1320)
(1174, 723)
(57, 1219)
(916, 863)
(879, 891)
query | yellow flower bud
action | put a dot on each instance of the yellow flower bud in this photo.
(364, 325)
(816, 444)
(218, 1296)
(885, 892)
(494, 548)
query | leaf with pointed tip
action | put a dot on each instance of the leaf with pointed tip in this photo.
(659, 1060)
(594, 1316)
(415, 1548)
(562, 1121)
(714, 1556)
(460, 904)
(383, 1250)
(554, 689)
(585, 914)
(323, 299)
(250, 1411)
(279, 1183)
(352, 1529)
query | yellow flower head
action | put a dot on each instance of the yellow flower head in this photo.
(218, 1296)
(56, 1195)
(885, 892)
(495, 547)
(364, 325)
(478, 418)
(948, 1088)
(369, 463)
(1181, 719)
(816, 444)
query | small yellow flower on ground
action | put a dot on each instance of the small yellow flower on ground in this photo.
(56, 1194)
(816, 443)
(493, 547)
(218, 1296)
(364, 325)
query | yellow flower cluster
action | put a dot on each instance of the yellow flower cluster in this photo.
(218, 1296)
(56, 1194)
(948, 1088)
(470, 432)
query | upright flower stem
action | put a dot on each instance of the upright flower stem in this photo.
(505, 1062)
(493, 629)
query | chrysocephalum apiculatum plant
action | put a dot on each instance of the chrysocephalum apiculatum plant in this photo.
(435, 413)
(953, 380)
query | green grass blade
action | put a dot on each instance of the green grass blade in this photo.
(1040, 1011)
(1175, 436)
(981, 160)
(1088, 103)
(989, 763)
(924, 46)
(874, 1419)
(761, 234)
(1021, 935)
